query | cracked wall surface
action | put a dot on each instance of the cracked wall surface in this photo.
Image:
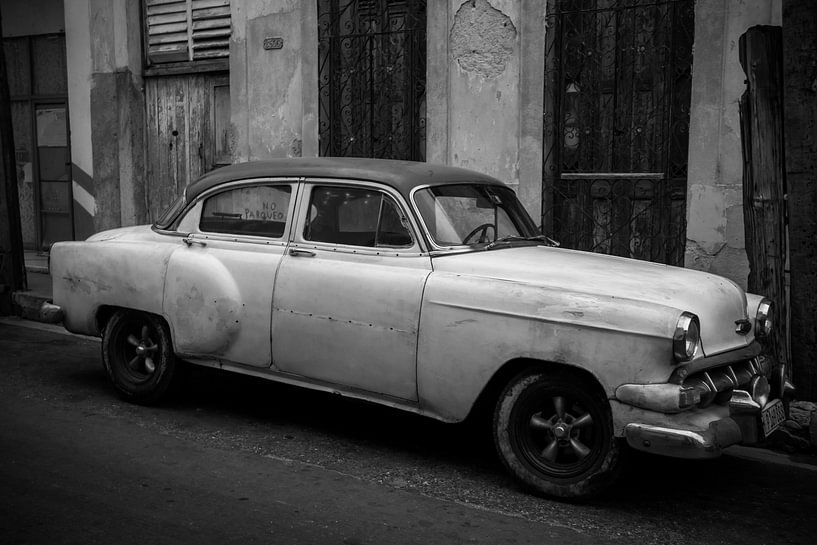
(482, 38)
(715, 230)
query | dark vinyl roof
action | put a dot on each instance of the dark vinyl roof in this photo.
(401, 175)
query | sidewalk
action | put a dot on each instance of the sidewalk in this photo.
(31, 302)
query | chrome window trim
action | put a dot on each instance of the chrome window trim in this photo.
(189, 207)
(457, 248)
(297, 241)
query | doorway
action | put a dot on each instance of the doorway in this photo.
(618, 80)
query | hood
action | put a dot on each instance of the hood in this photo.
(717, 301)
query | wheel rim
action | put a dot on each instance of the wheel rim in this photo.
(137, 350)
(557, 434)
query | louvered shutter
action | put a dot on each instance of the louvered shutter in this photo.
(187, 30)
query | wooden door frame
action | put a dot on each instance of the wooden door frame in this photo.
(33, 100)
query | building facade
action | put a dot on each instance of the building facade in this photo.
(616, 121)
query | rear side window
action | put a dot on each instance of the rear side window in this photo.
(356, 217)
(256, 211)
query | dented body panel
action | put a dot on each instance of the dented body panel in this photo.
(121, 268)
(218, 299)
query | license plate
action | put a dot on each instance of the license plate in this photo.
(772, 416)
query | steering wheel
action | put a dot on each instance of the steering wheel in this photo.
(483, 230)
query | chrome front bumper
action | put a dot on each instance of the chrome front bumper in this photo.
(684, 443)
(702, 432)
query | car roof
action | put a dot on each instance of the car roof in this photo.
(401, 175)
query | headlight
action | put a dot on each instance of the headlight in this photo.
(687, 337)
(763, 321)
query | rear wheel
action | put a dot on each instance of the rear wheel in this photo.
(138, 355)
(554, 432)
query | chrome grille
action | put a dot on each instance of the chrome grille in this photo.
(716, 384)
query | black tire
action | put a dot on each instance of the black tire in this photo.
(554, 432)
(138, 356)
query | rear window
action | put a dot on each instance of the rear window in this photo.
(256, 211)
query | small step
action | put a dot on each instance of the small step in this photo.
(37, 307)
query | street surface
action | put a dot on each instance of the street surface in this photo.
(233, 459)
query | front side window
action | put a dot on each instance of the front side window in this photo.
(356, 217)
(260, 210)
(465, 214)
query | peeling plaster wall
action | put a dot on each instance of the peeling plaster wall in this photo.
(485, 88)
(484, 106)
(273, 93)
(715, 233)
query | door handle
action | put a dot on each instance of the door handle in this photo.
(301, 253)
(191, 241)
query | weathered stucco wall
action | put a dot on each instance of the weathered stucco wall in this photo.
(106, 108)
(273, 93)
(715, 232)
(484, 72)
(484, 90)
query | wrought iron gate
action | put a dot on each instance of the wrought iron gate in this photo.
(372, 78)
(617, 98)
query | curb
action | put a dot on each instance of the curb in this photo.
(756, 454)
(16, 321)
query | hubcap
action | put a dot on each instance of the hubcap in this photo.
(144, 349)
(559, 437)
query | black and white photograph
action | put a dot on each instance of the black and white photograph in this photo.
(408, 272)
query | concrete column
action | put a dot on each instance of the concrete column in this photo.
(106, 104)
(715, 233)
(437, 81)
(78, 53)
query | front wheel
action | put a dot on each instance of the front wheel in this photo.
(554, 432)
(138, 356)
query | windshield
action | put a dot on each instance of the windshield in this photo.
(471, 214)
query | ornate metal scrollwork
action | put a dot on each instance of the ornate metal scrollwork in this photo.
(617, 100)
(372, 78)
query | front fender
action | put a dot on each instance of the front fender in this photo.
(471, 326)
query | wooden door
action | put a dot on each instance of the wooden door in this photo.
(188, 120)
(617, 100)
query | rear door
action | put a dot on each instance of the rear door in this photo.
(219, 284)
(348, 292)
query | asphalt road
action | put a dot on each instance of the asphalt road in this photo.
(239, 460)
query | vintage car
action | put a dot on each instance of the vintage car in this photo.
(429, 289)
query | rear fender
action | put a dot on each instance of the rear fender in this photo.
(88, 275)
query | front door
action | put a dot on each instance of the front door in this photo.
(348, 293)
(219, 282)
